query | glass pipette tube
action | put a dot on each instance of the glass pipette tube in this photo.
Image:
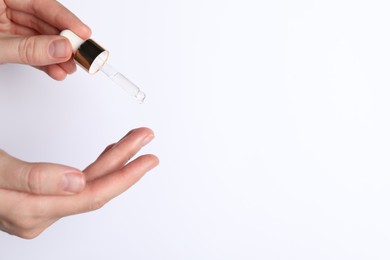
(123, 82)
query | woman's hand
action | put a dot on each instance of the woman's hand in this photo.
(35, 195)
(29, 35)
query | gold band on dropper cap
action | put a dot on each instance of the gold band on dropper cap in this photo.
(88, 54)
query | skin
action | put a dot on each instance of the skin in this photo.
(33, 196)
(27, 31)
(27, 213)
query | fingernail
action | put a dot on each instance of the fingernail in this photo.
(59, 49)
(147, 139)
(73, 182)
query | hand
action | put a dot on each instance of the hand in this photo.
(29, 35)
(34, 196)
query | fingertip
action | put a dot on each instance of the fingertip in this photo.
(150, 160)
(84, 32)
(141, 131)
(148, 135)
(155, 159)
(145, 131)
(88, 31)
(59, 76)
(55, 72)
(69, 66)
(74, 67)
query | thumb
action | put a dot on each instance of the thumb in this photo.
(35, 50)
(39, 178)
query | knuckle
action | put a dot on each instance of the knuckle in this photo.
(33, 179)
(27, 50)
(97, 203)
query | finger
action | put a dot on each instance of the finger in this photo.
(39, 178)
(116, 157)
(17, 29)
(112, 145)
(101, 191)
(35, 50)
(54, 71)
(53, 13)
(107, 149)
(31, 21)
(69, 66)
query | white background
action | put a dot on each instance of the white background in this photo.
(271, 122)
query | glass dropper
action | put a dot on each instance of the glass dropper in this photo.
(93, 58)
(123, 82)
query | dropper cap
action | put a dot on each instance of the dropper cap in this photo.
(87, 53)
